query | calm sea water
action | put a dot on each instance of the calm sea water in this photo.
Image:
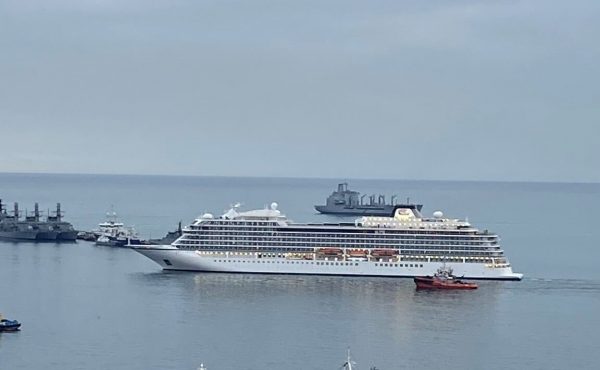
(88, 307)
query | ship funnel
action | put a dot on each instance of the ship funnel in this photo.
(36, 212)
(58, 214)
(16, 210)
(393, 201)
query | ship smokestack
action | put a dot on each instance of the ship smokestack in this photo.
(16, 210)
(36, 212)
(58, 215)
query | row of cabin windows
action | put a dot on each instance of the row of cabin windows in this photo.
(342, 263)
(256, 241)
(439, 246)
(271, 232)
(340, 232)
(402, 249)
(429, 257)
(323, 263)
(267, 238)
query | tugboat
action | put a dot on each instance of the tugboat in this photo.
(344, 202)
(9, 325)
(442, 279)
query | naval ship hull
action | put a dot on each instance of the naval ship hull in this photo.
(19, 235)
(172, 258)
(46, 236)
(356, 211)
(67, 236)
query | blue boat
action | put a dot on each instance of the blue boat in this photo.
(9, 325)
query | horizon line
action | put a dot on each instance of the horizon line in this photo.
(300, 177)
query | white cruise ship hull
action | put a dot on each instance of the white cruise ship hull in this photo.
(172, 258)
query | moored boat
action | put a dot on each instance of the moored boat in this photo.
(112, 233)
(442, 279)
(33, 228)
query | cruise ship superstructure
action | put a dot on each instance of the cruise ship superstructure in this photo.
(403, 244)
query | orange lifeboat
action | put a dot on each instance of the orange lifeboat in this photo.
(357, 253)
(330, 251)
(384, 252)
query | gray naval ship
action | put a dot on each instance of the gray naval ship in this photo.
(344, 202)
(33, 228)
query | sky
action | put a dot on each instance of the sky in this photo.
(452, 90)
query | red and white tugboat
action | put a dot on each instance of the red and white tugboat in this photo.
(442, 279)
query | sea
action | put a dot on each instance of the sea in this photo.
(88, 307)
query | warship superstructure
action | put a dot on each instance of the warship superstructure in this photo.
(344, 202)
(32, 227)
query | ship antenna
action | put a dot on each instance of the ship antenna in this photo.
(348, 364)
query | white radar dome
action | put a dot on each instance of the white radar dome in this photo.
(207, 215)
(438, 214)
(274, 206)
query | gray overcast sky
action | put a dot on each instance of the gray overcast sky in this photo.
(480, 90)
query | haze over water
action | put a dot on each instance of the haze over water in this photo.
(88, 307)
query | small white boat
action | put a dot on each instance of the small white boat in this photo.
(112, 233)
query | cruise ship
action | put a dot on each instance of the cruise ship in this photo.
(402, 244)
